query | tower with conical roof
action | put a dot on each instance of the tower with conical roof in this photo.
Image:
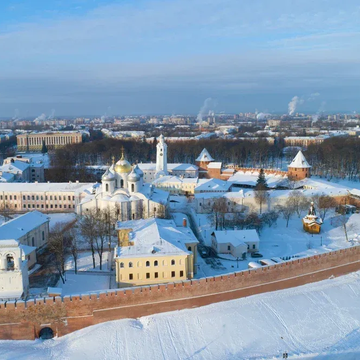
(299, 168)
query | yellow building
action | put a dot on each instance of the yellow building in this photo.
(311, 222)
(154, 251)
(53, 139)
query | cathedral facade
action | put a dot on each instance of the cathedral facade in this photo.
(124, 193)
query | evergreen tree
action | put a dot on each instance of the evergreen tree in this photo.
(261, 183)
(44, 149)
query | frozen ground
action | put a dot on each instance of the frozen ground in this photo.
(282, 241)
(315, 321)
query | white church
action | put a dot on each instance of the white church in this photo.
(125, 193)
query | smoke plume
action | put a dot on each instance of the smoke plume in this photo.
(52, 114)
(205, 109)
(41, 117)
(293, 104)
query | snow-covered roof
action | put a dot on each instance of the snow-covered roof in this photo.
(14, 166)
(249, 178)
(170, 167)
(299, 161)
(42, 187)
(215, 165)
(210, 185)
(154, 237)
(204, 156)
(236, 237)
(7, 177)
(20, 226)
(9, 243)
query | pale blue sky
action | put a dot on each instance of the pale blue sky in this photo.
(168, 56)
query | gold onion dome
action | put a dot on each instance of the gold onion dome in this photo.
(122, 166)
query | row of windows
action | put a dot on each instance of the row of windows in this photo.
(156, 275)
(147, 264)
(47, 206)
(37, 197)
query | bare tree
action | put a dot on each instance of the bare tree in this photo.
(57, 246)
(261, 197)
(287, 211)
(326, 203)
(101, 234)
(219, 209)
(73, 246)
(298, 201)
(88, 230)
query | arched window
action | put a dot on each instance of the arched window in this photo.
(10, 262)
(173, 262)
(107, 187)
(121, 183)
(156, 263)
(130, 264)
(121, 264)
(132, 187)
(189, 248)
(148, 263)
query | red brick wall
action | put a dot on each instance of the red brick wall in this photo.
(23, 320)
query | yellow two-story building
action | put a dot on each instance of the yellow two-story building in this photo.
(154, 251)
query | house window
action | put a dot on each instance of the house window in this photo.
(130, 276)
(148, 263)
(181, 273)
(121, 264)
(229, 248)
(107, 187)
(43, 235)
(130, 264)
(132, 187)
(189, 248)
(156, 263)
(254, 246)
(173, 274)
(148, 275)
(172, 262)
(156, 275)
(33, 241)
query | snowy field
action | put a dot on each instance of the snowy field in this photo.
(316, 321)
(282, 241)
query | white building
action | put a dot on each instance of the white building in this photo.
(235, 242)
(14, 278)
(124, 193)
(30, 230)
(48, 197)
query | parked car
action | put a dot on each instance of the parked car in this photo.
(256, 255)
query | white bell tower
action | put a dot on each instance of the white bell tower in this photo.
(161, 155)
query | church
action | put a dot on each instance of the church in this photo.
(124, 192)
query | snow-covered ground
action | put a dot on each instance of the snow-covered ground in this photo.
(85, 262)
(83, 283)
(60, 218)
(282, 241)
(320, 320)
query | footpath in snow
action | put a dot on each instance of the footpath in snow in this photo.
(315, 321)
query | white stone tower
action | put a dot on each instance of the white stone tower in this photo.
(161, 156)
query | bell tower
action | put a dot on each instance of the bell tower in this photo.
(161, 155)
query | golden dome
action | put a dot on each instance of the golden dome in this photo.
(122, 166)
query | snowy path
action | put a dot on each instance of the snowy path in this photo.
(320, 320)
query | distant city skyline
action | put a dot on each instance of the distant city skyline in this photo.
(169, 56)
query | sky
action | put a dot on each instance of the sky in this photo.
(96, 57)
